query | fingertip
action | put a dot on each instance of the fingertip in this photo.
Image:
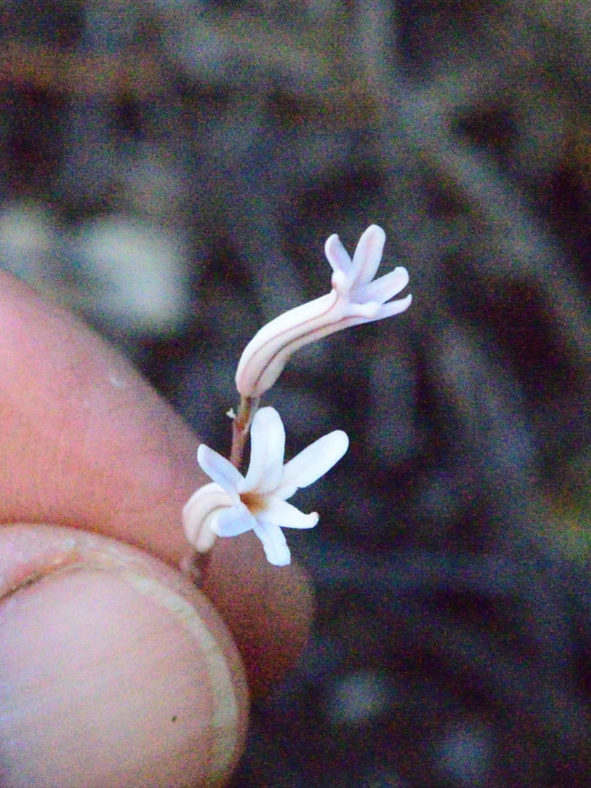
(114, 670)
(269, 612)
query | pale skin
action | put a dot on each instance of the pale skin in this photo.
(84, 647)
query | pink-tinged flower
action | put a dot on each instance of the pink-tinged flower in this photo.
(355, 298)
(233, 504)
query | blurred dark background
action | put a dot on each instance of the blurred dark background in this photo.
(171, 171)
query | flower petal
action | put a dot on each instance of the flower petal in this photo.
(200, 512)
(337, 255)
(266, 452)
(274, 544)
(312, 463)
(365, 310)
(357, 315)
(384, 288)
(232, 522)
(220, 470)
(283, 514)
(341, 284)
(394, 307)
(368, 255)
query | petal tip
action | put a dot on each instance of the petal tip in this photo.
(283, 561)
(375, 229)
(336, 254)
(342, 439)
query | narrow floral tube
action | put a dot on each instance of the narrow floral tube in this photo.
(355, 298)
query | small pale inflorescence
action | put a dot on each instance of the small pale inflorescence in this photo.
(355, 298)
(233, 504)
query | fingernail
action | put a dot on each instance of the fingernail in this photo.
(114, 670)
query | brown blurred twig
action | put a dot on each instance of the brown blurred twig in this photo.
(85, 75)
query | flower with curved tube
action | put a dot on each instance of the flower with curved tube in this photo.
(355, 298)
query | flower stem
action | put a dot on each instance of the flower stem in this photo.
(194, 566)
(241, 426)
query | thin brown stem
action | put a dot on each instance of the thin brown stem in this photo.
(240, 428)
(194, 565)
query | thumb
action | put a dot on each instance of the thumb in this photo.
(114, 670)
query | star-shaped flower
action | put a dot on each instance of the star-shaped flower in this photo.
(355, 298)
(234, 504)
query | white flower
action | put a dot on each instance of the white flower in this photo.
(354, 298)
(233, 504)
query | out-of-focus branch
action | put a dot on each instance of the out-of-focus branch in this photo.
(82, 75)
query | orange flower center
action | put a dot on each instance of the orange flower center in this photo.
(255, 502)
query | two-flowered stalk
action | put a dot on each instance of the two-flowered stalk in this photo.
(233, 503)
